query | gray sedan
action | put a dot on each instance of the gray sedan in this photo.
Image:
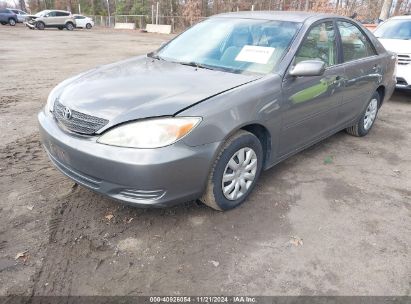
(202, 116)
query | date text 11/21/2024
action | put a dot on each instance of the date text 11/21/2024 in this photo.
(203, 299)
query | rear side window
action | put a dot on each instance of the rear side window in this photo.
(355, 44)
(4, 11)
(61, 14)
(319, 45)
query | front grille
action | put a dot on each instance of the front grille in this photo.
(78, 122)
(404, 59)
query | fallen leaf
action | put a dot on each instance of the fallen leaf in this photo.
(215, 263)
(296, 241)
(30, 207)
(21, 255)
(109, 216)
(128, 220)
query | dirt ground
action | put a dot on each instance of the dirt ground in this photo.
(333, 220)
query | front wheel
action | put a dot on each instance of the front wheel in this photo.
(367, 119)
(88, 26)
(235, 172)
(12, 22)
(40, 25)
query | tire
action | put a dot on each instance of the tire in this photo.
(69, 26)
(61, 28)
(240, 142)
(88, 26)
(12, 22)
(3, 23)
(40, 25)
(368, 117)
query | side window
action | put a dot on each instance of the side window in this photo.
(319, 44)
(354, 43)
(51, 14)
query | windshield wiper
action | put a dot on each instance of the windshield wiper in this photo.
(196, 65)
(155, 56)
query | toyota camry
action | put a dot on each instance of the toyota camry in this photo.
(203, 115)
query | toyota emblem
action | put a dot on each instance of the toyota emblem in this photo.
(67, 113)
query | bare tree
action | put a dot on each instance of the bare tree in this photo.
(386, 8)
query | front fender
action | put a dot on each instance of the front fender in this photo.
(257, 102)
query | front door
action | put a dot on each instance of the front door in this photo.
(310, 103)
(363, 70)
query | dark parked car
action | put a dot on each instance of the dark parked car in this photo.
(201, 117)
(8, 17)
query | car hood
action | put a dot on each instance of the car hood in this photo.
(144, 87)
(397, 46)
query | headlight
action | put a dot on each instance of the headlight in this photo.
(150, 133)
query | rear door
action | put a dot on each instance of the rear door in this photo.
(61, 18)
(311, 103)
(363, 70)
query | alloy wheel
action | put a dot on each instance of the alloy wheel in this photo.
(370, 113)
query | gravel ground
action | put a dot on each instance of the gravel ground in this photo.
(332, 220)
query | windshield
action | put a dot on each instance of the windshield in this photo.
(394, 29)
(233, 45)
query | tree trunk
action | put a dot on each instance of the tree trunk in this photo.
(397, 7)
(385, 11)
(23, 5)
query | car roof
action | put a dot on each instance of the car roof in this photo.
(60, 11)
(406, 17)
(278, 15)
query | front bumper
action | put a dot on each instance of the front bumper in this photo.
(141, 177)
(29, 25)
(403, 76)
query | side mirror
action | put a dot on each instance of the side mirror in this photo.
(308, 68)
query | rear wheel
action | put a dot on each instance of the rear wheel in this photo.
(88, 26)
(12, 22)
(60, 28)
(40, 25)
(235, 172)
(367, 119)
(70, 26)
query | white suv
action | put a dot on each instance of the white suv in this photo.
(395, 35)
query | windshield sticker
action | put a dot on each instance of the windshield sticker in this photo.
(255, 54)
